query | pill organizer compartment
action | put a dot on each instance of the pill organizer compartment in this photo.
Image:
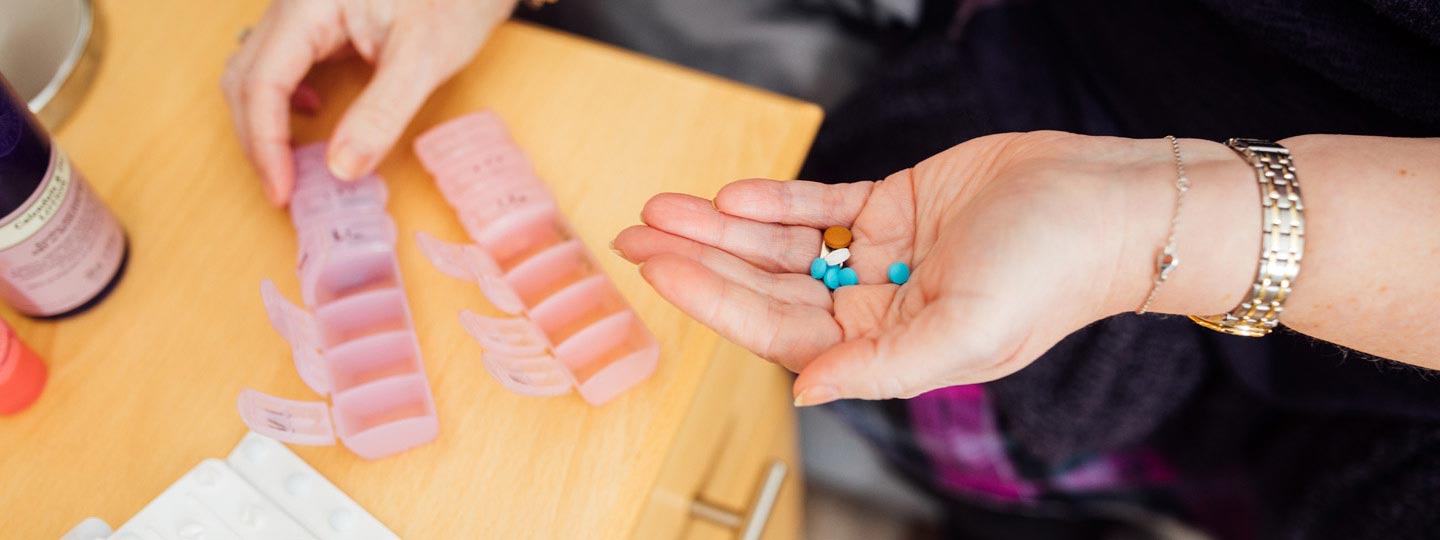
(359, 315)
(601, 340)
(347, 269)
(354, 340)
(500, 161)
(317, 204)
(372, 358)
(571, 327)
(548, 271)
(574, 307)
(385, 414)
(515, 237)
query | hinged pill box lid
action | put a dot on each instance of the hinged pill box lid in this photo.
(298, 422)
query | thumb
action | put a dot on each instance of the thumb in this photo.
(931, 350)
(376, 119)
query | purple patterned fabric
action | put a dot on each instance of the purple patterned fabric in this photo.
(956, 428)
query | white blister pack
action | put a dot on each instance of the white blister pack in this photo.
(262, 491)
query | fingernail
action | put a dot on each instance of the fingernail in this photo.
(616, 250)
(816, 395)
(346, 164)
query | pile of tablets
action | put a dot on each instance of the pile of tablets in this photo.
(830, 267)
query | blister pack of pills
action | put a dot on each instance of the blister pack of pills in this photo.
(567, 325)
(262, 491)
(354, 341)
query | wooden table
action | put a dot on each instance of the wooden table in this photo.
(143, 387)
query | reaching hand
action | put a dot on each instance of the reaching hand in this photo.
(415, 46)
(1015, 241)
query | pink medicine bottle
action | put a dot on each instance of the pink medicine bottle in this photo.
(61, 248)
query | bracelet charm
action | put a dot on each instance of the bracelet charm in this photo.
(1165, 259)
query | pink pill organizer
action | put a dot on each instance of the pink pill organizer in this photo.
(354, 341)
(568, 326)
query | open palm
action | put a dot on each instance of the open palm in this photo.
(1001, 248)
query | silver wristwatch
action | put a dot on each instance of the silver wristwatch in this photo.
(1282, 242)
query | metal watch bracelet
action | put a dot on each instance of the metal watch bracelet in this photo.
(1282, 242)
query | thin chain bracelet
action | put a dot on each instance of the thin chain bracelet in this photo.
(1165, 259)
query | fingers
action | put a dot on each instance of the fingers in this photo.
(237, 70)
(788, 334)
(771, 247)
(262, 78)
(905, 360)
(641, 243)
(368, 28)
(796, 202)
(405, 74)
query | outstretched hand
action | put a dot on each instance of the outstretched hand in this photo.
(1013, 240)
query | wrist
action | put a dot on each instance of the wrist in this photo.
(1217, 238)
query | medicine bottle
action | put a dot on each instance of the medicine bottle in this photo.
(61, 248)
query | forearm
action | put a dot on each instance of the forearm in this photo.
(1371, 268)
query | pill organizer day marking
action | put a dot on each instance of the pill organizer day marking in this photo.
(354, 341)
(569, 326)
(262, 491)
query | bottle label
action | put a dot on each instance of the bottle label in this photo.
(61, 249)
(42, 209)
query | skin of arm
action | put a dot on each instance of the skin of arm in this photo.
(1370, 277)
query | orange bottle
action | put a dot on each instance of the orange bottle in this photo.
(22, 373)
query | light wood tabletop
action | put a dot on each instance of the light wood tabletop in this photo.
(144, 386)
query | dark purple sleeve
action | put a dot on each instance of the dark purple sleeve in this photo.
(1352, 478)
